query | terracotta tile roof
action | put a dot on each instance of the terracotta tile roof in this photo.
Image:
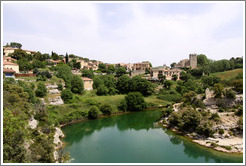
(9, 63)
(86, 79)
(9, 58)
(8, 71)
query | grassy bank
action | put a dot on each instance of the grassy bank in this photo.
(227, 75)
(78, 108)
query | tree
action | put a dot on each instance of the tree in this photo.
(72, 56)
(24, 65)
(77, 65)
(111, 69)
(66, 57)
(66, 95)
(238, 85)
(38, 64)
(93, 112)
(185, 76)
(77, 84)
(102, 90)
(139, 84)
(20, 54)
(218, 90)
(174, 77)
(102, 67)
(41, 90)
(173, 64)
(167, 84)
(202, 60)
(120, 71)
(106, 109)
(191, 118)
(54, 56)
(123, 84)
(97, 82)
(15, 45)
(135, 101)
(88, 73)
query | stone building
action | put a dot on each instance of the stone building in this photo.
(10, 65)
(191, 62)
(164, 71)
(88, 83)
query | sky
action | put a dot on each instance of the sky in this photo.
(161, 33)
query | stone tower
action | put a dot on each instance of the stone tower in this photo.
(193, 60)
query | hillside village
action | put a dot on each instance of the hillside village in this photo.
(200, 98)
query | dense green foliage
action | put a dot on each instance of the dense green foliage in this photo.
(93, 112)
(106, 109)
(41, 90)
(135, 101)
(88, 73)
(77, 84)
(66, 95)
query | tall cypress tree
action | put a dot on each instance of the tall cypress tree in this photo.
(66, 58)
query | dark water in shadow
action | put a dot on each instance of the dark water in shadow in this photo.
(135, 138)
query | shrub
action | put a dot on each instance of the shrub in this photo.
(175, 119)
(206, 128)
(41, 90)
(60, 86)
(93, 112)
(77, 85)
(239, 112)
(135, 101)
(102, 90)
(221, 131)
(238, 85)
(66, 95)
(215, 117)
(122, 105)
(106, 109)
(230, 94)
(191, 118)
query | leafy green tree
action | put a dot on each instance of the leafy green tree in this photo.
(102, 90)
(88, 73)
(72, 56)
(93, 112)
(218, 90)
(210, 80)
(120, 71)
(138, 84)
(174, 77)
(77, 84)
(60, 86)
(238, 85)
(167, 84)
(135, 101)
(173, 64)
(122, 84)
(106, 109)
(77, 65)
(175, 119)
(97, 82)
(196, 73)
(206, 128)
(41, 90)
(102, 67)
(230, 94)
(54, 56)
(20, 54)
(38, 64)
(122, 105)
(202, 60)
(185, 76)
(111, 69)
(15, 45)
(24, 65)
(191, 118)
(64, 72)
(66, 95)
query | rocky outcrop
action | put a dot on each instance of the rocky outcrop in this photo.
(33, 123)
(54, 91)
(209, 100)
(57, 101)
(51, 86)
(57, 142)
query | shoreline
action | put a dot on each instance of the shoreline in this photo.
(207, 142)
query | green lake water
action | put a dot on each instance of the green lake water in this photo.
(135, 138)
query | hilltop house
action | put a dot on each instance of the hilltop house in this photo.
(10, 65)
(191, 62)
(156, 72)
(9, 73)
(9, 50)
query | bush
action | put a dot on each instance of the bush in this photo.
(77, 84)
(238, 85)
(191, 119)
(66, 95)
(102, 90)
(106, 109)
(93, 112)
(215, 117)
(135, 101)
(206, 128)
(239, 112)
(175, 119)
(122, 105)
(221, 131)
(41, 90)
(60, 86)
(230, 94)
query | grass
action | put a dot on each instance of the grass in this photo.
(227, 75)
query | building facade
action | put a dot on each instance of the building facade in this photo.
(10, 65)
(88, 83)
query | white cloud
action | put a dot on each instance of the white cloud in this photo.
(77, 28)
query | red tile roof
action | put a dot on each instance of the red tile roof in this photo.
(8, 71)
(9, 63)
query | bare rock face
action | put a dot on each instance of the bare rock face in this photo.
(33, 123)
(209, 100)
(54, 91)
(57, 142)
(52, 87)
(56, 101)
